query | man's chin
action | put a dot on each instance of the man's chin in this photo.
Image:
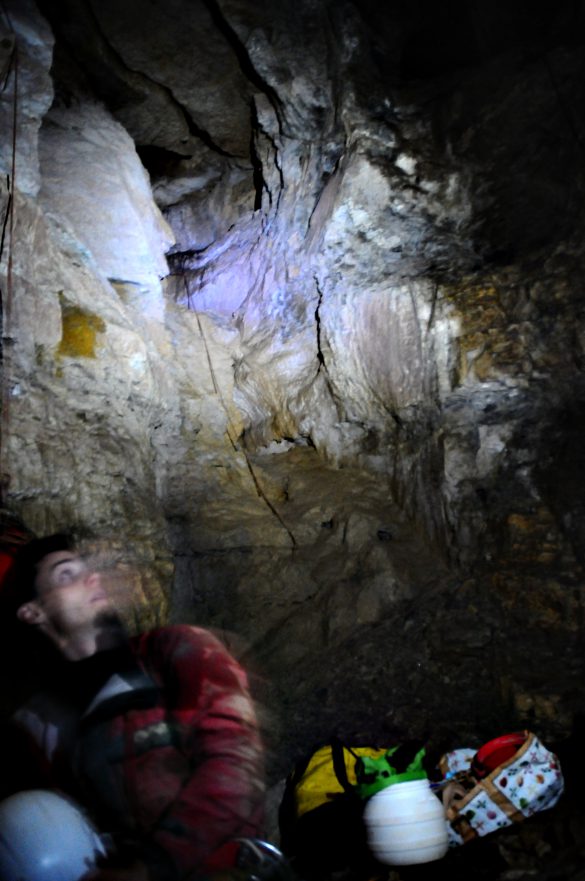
(108, 619)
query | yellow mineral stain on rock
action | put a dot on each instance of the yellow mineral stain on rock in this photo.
(485, 346)
(537, 520)
(520, 522)
(79, 332)
(483, 366)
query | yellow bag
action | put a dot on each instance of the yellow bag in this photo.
(320, 816)
(329, 772)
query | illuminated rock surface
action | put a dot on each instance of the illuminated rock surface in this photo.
(332, 368)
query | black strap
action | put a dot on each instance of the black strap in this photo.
(337, 756)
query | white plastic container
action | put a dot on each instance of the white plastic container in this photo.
(406, 824)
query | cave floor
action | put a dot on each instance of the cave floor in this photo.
(550, 846)
(547, 847)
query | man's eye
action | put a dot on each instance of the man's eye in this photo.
(67, 575)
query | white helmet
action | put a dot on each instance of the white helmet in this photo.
(45, 837)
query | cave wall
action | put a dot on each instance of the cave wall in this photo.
(292, 301)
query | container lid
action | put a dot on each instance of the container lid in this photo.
(495, 752)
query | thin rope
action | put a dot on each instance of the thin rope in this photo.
(6, 302)
(230, 430)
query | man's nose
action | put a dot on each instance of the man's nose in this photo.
(93, 579)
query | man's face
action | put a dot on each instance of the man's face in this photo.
(70, 596)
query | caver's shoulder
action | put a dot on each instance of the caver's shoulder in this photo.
(177, 635)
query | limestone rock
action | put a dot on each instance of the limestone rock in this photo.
(26, 47)
(351, 413)
(83, 137)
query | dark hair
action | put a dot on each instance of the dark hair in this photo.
(39, 662)
(28, 559)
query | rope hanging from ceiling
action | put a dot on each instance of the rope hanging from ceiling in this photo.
(230, 429)
(9, 73)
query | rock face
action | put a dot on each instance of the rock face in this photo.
(326, 357)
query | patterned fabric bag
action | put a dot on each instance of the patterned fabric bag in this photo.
(529, 781)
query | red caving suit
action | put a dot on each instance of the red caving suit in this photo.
(159, 742)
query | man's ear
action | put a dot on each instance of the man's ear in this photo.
(30, 613)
